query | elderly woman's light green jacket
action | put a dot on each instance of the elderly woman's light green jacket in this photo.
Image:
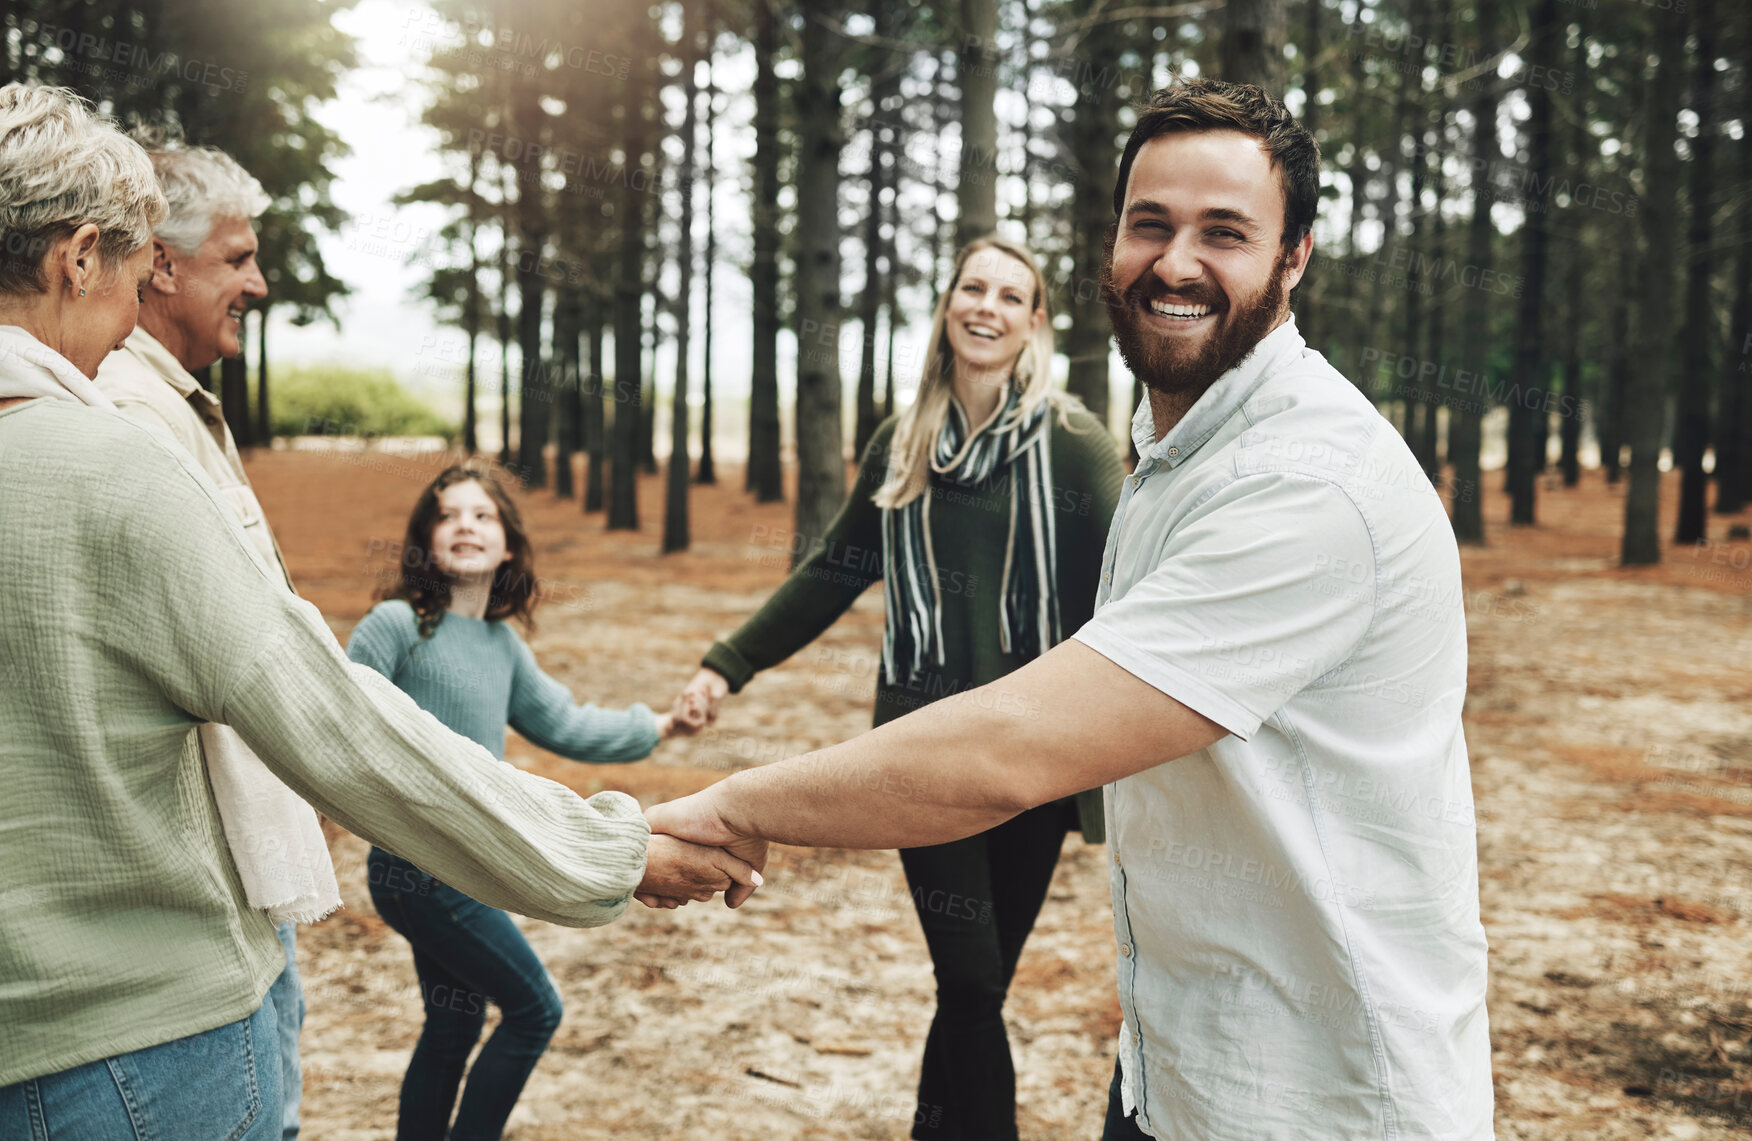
(131, 611)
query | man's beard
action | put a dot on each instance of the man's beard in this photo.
(1159, 361)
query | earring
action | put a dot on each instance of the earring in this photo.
(82, 293)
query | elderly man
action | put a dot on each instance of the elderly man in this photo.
(204, 275)
(1270, 689)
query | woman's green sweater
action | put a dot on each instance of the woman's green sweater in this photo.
(969, 536)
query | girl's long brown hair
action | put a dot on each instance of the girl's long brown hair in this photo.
(427, 589)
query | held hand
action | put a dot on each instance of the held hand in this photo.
(708, 689)
(677, 871)
(695, 819)
(687, 716)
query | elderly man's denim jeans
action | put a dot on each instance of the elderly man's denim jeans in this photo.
(287, 995)
(220, 1085)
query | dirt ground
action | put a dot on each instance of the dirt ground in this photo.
(1610, 727)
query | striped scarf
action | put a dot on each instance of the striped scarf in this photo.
(1028, 606)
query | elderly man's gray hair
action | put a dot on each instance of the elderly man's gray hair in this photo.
(61, 166)
(202, 184)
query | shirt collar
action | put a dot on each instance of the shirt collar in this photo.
(155, 356)
(1219, 402)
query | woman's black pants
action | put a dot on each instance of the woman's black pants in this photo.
(977, 900)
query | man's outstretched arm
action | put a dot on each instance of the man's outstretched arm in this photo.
(1068, 721)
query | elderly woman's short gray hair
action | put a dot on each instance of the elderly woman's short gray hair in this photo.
(202, 184)
(63, 165)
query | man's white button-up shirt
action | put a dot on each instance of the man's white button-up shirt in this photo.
(1297, 905)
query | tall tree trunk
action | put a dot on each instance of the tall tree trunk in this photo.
(1356, 174)
(1531, 378)
(535, 387)
(976, 191)
(1647, 388)
(708, 470)
(1094, 156)
(890, 251)
(1428, 430)
(1573, 409)
(1734, 484)
(1417, 408)
(568, 319)
(596, 395)
(821, 465)
(869, 302)
(470, 428)
(884, 84)
(234, 395)
(1429, 447)
(264, 420)
(1025, 212)
(1698, 337)
(1376, 314)
(653, 218)
(564, 376)
(1734, 450)
(939, 169)
(675, 521)
(629, 284)
(507, 262)
(1308, 313)
(1620, 360)
(471, 305)
(765, 476)
(1464, 434)
(648, 385)
(1253, 44)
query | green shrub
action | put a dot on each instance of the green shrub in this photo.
(334, 400)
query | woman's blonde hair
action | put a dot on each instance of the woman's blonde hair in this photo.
(63, 165)
(915, 436)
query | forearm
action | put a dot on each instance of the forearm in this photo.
(592, 735)
(947, 771)
(1068, 721)
(360, 751)
(812, 599)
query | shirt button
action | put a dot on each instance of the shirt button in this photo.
(1106, 578)
(1116, 859)
(1172, 452)
(1125, 949)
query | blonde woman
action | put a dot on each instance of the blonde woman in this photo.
(983, 508)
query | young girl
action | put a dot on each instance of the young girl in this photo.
(443, 639)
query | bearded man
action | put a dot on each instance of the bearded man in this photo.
(1270, 691)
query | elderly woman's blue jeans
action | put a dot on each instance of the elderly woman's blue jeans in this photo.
(220, 1085)
(466, 955)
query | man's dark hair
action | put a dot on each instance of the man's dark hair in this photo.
(1216, 105)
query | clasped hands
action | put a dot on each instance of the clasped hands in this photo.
(685, 862)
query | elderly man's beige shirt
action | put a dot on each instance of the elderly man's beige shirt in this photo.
(152, 386)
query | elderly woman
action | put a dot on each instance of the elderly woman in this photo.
(132, 967)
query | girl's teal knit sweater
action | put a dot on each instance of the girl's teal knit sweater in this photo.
(477, 676)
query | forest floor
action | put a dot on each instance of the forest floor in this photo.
(1610, 726)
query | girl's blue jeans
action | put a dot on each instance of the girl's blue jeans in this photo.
(466, 955)
(219, 1085)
